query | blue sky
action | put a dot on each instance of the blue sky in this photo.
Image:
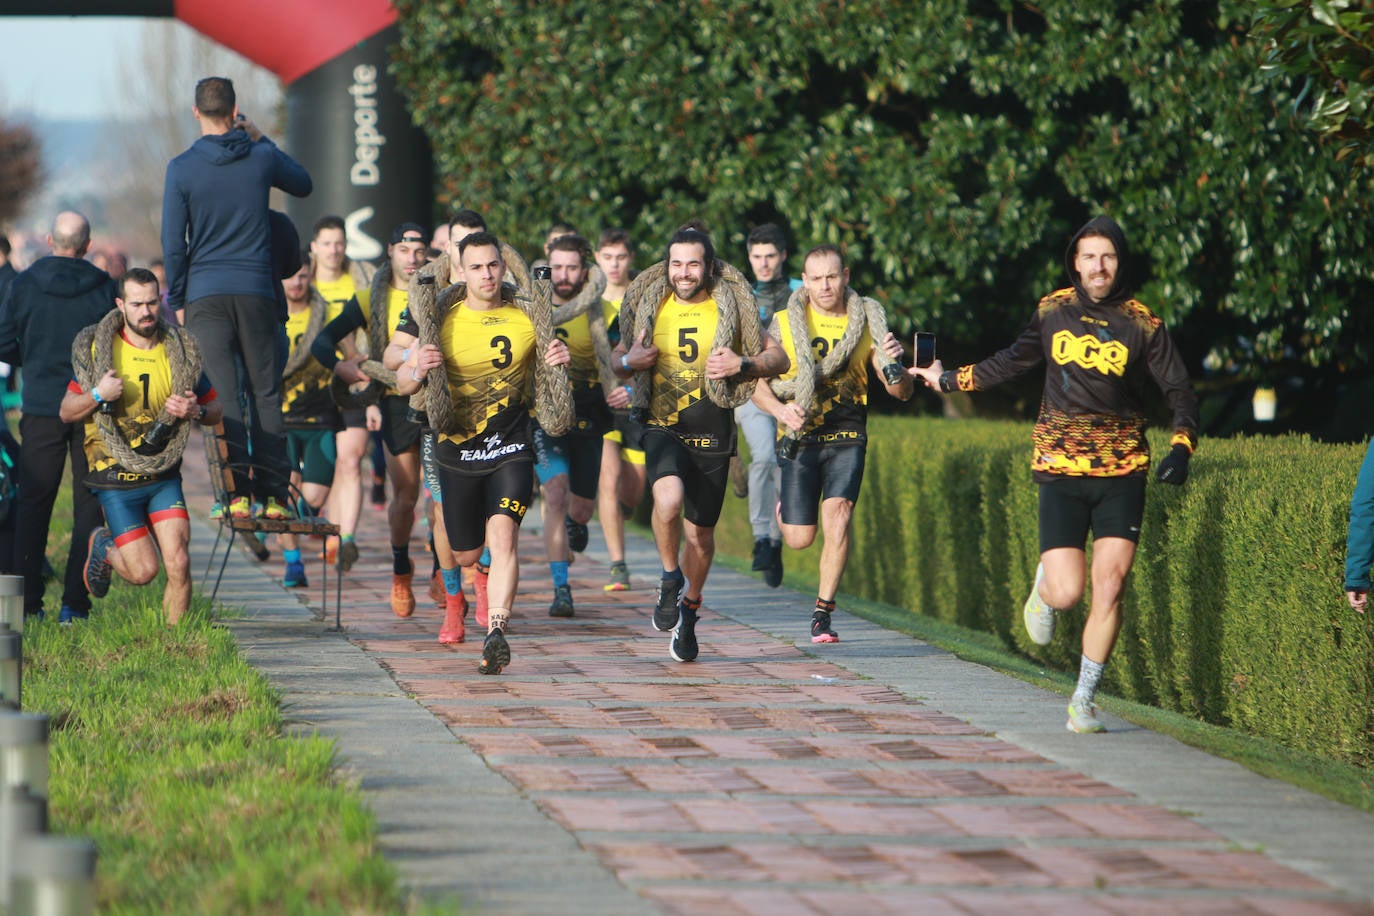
(63, 67)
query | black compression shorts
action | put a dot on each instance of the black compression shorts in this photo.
(469, 500)
(703, 474)
(1109, 507)
(816, 473)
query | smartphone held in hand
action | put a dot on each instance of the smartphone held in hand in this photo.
(924, 349)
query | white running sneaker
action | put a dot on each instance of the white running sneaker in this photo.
(1040, 618)
(1083, 718)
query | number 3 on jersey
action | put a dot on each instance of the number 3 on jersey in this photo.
(502, 346)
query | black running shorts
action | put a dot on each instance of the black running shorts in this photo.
(817, 473)
(1109, 507)
(399, 432)
(576, 454)
(469, 500)
(703, 474)
(354, 417)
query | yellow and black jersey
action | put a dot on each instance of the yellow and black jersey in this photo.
(147, 377)
(610, 308)
(684, 333)
(488, 363)
(840, 410)
(306, 402)
(589, 401)
(336, 293)
(1098, 359)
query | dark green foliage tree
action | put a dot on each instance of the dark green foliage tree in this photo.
(1330, 45)
(952, 147)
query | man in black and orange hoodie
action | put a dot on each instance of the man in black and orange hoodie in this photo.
(1101, 347)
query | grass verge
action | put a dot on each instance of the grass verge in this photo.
(167, 750)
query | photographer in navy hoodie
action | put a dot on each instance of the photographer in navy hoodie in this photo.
(216, 244)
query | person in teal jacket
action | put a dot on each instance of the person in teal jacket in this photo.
(1359, 543)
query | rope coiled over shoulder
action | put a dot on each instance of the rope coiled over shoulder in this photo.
(93, 356)
(378, 334)
(588, 302)
(300, 353)
(739, 323)
(428, 304)
(864, 314)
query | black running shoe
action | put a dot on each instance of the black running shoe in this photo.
(562, 601)
(98, 571)
(763, 555)
(665, 611)
(772, 576)
(820, 628)
(578, 535)
(495, 653)
(683, 647)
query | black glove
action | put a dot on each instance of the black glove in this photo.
(1174, 468)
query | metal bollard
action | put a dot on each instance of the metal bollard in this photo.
(23, 816)
(54, 876)
(24, 751)
(12, 602)
(11, 667)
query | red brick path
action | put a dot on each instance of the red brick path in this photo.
(743, 784)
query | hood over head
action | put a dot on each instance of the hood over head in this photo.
(1106, 227)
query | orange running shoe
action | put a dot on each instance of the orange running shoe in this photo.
(436, 589)
(402, 598)
(479, 588)
(455, 609)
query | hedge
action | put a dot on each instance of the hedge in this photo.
(1234, 613)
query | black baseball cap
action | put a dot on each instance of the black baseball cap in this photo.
(409, 232)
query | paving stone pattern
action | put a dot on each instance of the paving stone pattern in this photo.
(597, 775)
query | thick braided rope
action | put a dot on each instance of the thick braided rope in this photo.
(432, 400)
(588, 302)
(378, 334)
(553, 393)
(863, 314)
(93, 356)
(430, 297)
(739, 319)
(553, 402)
(300, 353)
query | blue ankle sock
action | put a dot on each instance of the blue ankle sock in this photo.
(674, 574)
(559, 568)
(291, 556)
(453, 580)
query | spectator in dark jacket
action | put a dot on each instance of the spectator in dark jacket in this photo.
(216, 242)
(7, 271)
(41, 314)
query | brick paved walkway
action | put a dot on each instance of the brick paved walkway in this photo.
(772, 777)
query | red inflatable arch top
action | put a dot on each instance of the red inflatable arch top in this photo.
(290, 39)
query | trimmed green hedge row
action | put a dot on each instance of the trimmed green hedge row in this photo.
(1234, 613)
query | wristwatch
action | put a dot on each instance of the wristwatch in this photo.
(203, 411)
